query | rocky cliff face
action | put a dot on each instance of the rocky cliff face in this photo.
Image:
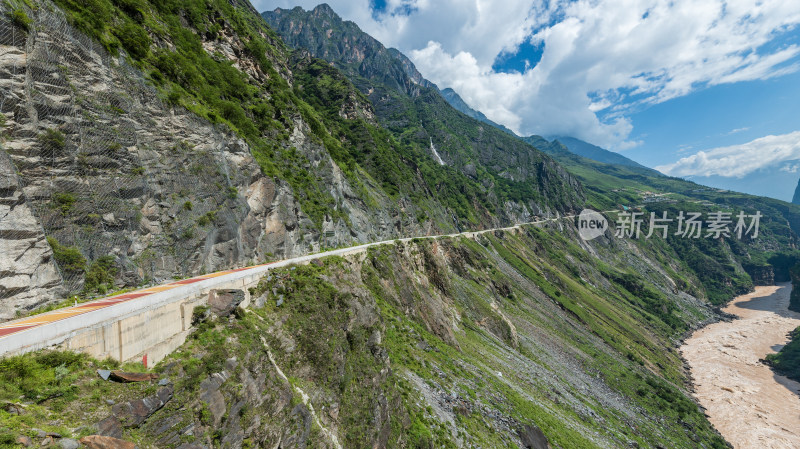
(95, 159)
(104, 165)
(134, 165)
(28, 273)
(414, 110)
(761, 275)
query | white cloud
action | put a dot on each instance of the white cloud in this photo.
(602, 59)
(790, 168)
(740, 160)
(480, 27)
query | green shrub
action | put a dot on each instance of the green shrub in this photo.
(20, 19)
(133, 8)
(2, 121)
(199, 314)
(134, 40)
(157, 77)
(69, 258)
(174, 98)
(7, 438)
(64, 202)
(100, 276)
(187, 233)
(53, 141)
(40, 376)
(207, 219)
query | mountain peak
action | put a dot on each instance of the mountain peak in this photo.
(324, 11)
(325, 8)
(796, 197)
(328, 37)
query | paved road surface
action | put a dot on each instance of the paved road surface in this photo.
(39, 328)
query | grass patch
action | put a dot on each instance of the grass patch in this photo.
(69, 258)
(20, 18)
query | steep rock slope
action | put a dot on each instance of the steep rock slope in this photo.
(529, 182)
(110, 168)
(29, 275)
(498, 341)
(175, 140)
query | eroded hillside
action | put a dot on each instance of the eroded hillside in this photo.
(485, 342)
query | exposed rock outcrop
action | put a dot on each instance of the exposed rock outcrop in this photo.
(93, 158)
(102, 442)
(761, 274)
(28, 274)
(134, 413)
(104, 165)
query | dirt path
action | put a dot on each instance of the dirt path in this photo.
(749, 405)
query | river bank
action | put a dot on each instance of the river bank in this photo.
(747, 402)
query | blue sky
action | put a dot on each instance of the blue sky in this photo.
(704, 89)
(717, 116)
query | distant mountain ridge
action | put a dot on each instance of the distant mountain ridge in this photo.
(596, 153)
(572, 144)
(355, 52)
(457, 102)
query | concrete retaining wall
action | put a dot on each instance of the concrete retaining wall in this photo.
(153, 326)
(153, 332)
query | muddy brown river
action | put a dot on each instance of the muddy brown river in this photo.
(749, 405)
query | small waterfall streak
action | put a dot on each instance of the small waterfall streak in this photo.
(436, 154)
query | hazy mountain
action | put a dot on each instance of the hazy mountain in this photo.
(573, 144)
(596, 153)
(457, 102)
(796, 197)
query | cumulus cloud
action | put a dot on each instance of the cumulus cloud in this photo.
(601, 61)
(740, 160)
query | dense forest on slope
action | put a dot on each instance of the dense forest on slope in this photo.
(787, 360)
